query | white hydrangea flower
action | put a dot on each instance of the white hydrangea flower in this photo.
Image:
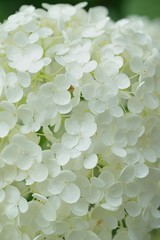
(24, 16)
(15, 84)
(64, 185)
(14, 202)
(79, 125)
(21, 152)
(8, 118)
(29, 58)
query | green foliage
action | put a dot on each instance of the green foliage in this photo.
(150, 8)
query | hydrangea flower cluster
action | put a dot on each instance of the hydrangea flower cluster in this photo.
(79, 125)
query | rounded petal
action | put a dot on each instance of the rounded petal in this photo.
(128, 173)
(133, 208)
(123, 81)
(12, 195)
(13, 53)
(4, 129)
(79, 208)
(135, 105)
(21, 39)
(62, 97)
(24, 79)
(62, 157)
(136, 64)
(142, 170)
(23, 205)
(83, 143)
(14, 94)
(90, 66)
(9, 154)
(33, 52)
(70, 193)
(90, 161)
(38, 172)
(69, 141)
(120, 152)
(11, 211)
(2, 195)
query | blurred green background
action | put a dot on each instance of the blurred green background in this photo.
(117, 8)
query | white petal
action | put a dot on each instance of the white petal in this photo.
(92, 194)
(150, 155)
(120, 152)
(111, 68)
(89, 91)
(46, 61)
(83, 144)
(136, 64)
(62, 97)
(33, 52)
(23, 205)
(109, 207)
(114, 202)
(107, 137)
(133, 208)
(74, 153)
(122, 235)
(83, 57)
(2, 195)
(62, 157)
(128, 173)
(151, 101)
(4, 129)
(81, 5)
(14, 94)
(13, 53)
(123, 81)
(72, 126)
(90, 66)
(11, 211)
(76, 234)
(107, 177)
(88, 126)
(12, 194)
(56, 186)
(38, 172)
(45, 32)
(132, 189)
(67, 176)
(75, 71)
(60, 82)
(11, 79)
(69, 141)
(141, 170)
(135, 105)
(116, 111)
(33, 38)
(24, 79)
(9, 154)
(115, 190)
(70, 193)
(35, 67)
(49, 210)
(90, 161)
(79, 208)
(97, 106)
(21, 39)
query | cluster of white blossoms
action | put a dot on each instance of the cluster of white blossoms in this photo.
(79, 125)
